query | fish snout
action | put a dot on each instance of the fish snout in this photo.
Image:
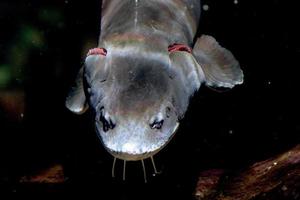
(136, 135)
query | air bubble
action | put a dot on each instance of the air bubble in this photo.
(205, 7)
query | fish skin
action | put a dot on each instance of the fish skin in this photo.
(154, 18)
(139, 90)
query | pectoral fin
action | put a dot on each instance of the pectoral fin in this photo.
(218, 64)
(76, 100)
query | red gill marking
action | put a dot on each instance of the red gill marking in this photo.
(171, 48)
(97, 51)
(179, 47)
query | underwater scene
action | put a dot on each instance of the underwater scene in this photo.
(156, 99)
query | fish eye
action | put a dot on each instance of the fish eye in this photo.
(106, 123)
(157, 124)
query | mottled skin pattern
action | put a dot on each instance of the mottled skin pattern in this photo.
(140, 90)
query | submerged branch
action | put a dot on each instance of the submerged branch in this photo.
(275, 178)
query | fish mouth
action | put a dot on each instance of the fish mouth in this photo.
(131, 156)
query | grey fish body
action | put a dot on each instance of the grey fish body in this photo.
(139, 90)
(162, 22)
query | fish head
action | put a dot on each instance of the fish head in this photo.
(134, 102)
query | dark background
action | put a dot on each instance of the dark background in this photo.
(42, 46)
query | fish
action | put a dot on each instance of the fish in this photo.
(139, 80)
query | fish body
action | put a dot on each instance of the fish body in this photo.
(152, 23)
(139, 79)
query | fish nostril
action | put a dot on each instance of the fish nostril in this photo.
(157, 124)
(112, 125)
(107, 122)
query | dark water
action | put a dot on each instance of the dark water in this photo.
(42, 46)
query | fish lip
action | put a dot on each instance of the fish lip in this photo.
(132, 156)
